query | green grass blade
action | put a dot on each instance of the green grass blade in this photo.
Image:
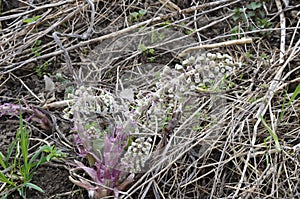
(35, 187)
(4, 197)
(4, 179)
(272, 133)
(293, 97)
(2, 163)
(282, 108)
(295, 93)
(42, 159)
(24, 142)
(10, 151)
(24, 145)
(35, 156)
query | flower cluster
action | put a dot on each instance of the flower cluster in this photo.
(137, 154)
(87, 103)
(152, 109)
(207, 69)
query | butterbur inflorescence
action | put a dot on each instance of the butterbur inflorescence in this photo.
(207, 69)
(137, 154)
(111, 141)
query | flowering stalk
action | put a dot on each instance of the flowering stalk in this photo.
(104, 155)
(103, 145)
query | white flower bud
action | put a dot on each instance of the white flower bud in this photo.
(201, 58)
(178, 67)
(185, 62)
(216, 69)
(189, 80)
(133, 144)
(212, 63)
(192, 87)
(227, 56)
(222, 70)
(228, 68)
(197, 66)
(219, 55)
(211, 75)
(197, 75)
(228, 61)
(192, 59)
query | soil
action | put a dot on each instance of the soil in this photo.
(53, 178)
(55, 183)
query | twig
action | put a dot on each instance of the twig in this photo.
(283, 31)
(294, 34)
(58, 104)
(170, 5)
(66, 55)
(216, 45)
(36, 9)
(30, 91)
(68, 193)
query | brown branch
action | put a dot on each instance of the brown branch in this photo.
(216, 45)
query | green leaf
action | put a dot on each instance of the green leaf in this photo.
(142, 47)
(295, 93)
(38, 42)
(35, 156)
(46, 149)
(2, 163)
(293, 97)
(4, 179)
(151, 51)
(98, 144)
(234, 30)
(251, 14)
(142, 12)
(4, 197)
(35, 18)
(166, 23)
(24, 149)
(31, 20)
(35, 187)
(48, 157)
(24, 142)
(134, 14)
(151, 59)
(273, 134)
(254, 5)
(237, 13)
(262, 14)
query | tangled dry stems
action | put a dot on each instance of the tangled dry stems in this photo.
(240, 161)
